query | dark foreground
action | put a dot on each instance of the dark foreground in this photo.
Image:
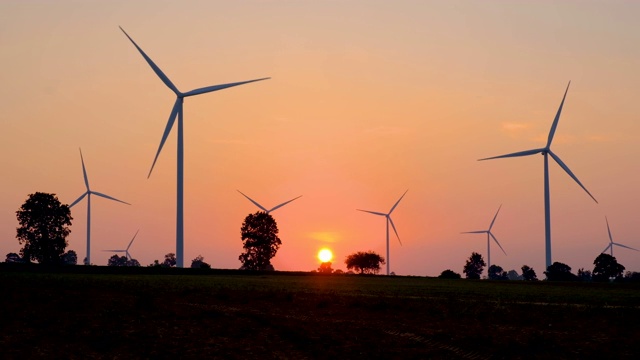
(294, 316)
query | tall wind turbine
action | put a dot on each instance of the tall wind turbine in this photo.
(489, 236)
(177, 112)
(611, 243)
(125, 251)
(88, 194)
(389, 221)
(265, 209)
(546, 151)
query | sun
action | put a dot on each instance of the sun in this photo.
(325, 255)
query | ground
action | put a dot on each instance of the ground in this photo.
(234, 315)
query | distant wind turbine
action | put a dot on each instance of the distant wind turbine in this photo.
(546, 151)
(389, 221)
(125, 251)
(611, 243)
(88, 194)
(177, 112)
(489, 236)
(265, 209)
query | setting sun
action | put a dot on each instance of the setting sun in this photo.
(325, 255)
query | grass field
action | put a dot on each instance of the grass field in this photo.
(296, 316)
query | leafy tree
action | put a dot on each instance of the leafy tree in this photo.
(260, 241)
(528, 274)
(449, 274)
(70, 258)
(632, 276)
(560, 272)
(13, 258)
(155, 263)
(365, 262)
(169, 260)
(338, 272)
(607, 268)
(584, 275)
(325, 268)
(474, 266)
(133, 262)
(513, 275)
(495, 272)
(44, 227)
(198, 263)
(117, 260)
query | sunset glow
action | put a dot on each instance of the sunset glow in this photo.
(325, 255)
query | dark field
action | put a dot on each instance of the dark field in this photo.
(232, 315)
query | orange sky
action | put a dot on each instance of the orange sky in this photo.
(367, 99)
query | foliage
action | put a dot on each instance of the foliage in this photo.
(155, 263)
(169, 260)
(474, 266)
(13, 258)
(365, 262)
(325, 268)
(260, 239)
(44, 227)
(584, 275)
(117, 260)
(199, 263)
(528, 274)
(338, 272)
(495, 272)
(632, 276)
(607, 268)
(449, 274)
(70, 258)
(513, 275)
(559, 272)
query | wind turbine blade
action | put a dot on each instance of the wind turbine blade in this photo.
(625, 246)
(84, 171)
(394, 229)
(108, 197)
(172, 118)
(557, 118)
(155, 67)
(283, 204)
(494, 218)
(397, 202)
(515, 154)
(131, 242)
(474, 232)
(607, 248)
(220, 87)
(78, 199)
(566, 168)
(496, 240)
(373, 212)
(254, 202)
(608, 230)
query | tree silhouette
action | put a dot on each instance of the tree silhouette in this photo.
(198, 263)
(169, 260)
(528, 274)
(584, 275)
(449, 274)
(260, 241)
(13, 258)
(44, 227)
(70, 258)
(495, 272)
(606, 268)
(325, 268)
(117, 260)
(560, 272)
(365, 262)
(474, 266)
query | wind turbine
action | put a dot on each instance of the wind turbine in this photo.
(546, 151)
(489, 236)
(125, 251)
(177, 112)
(88, 194)
(611, 243)
(263, 208)
(389, 221)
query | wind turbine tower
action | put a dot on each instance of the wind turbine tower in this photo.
(546, 152)
(389, 221)
(176, 112)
